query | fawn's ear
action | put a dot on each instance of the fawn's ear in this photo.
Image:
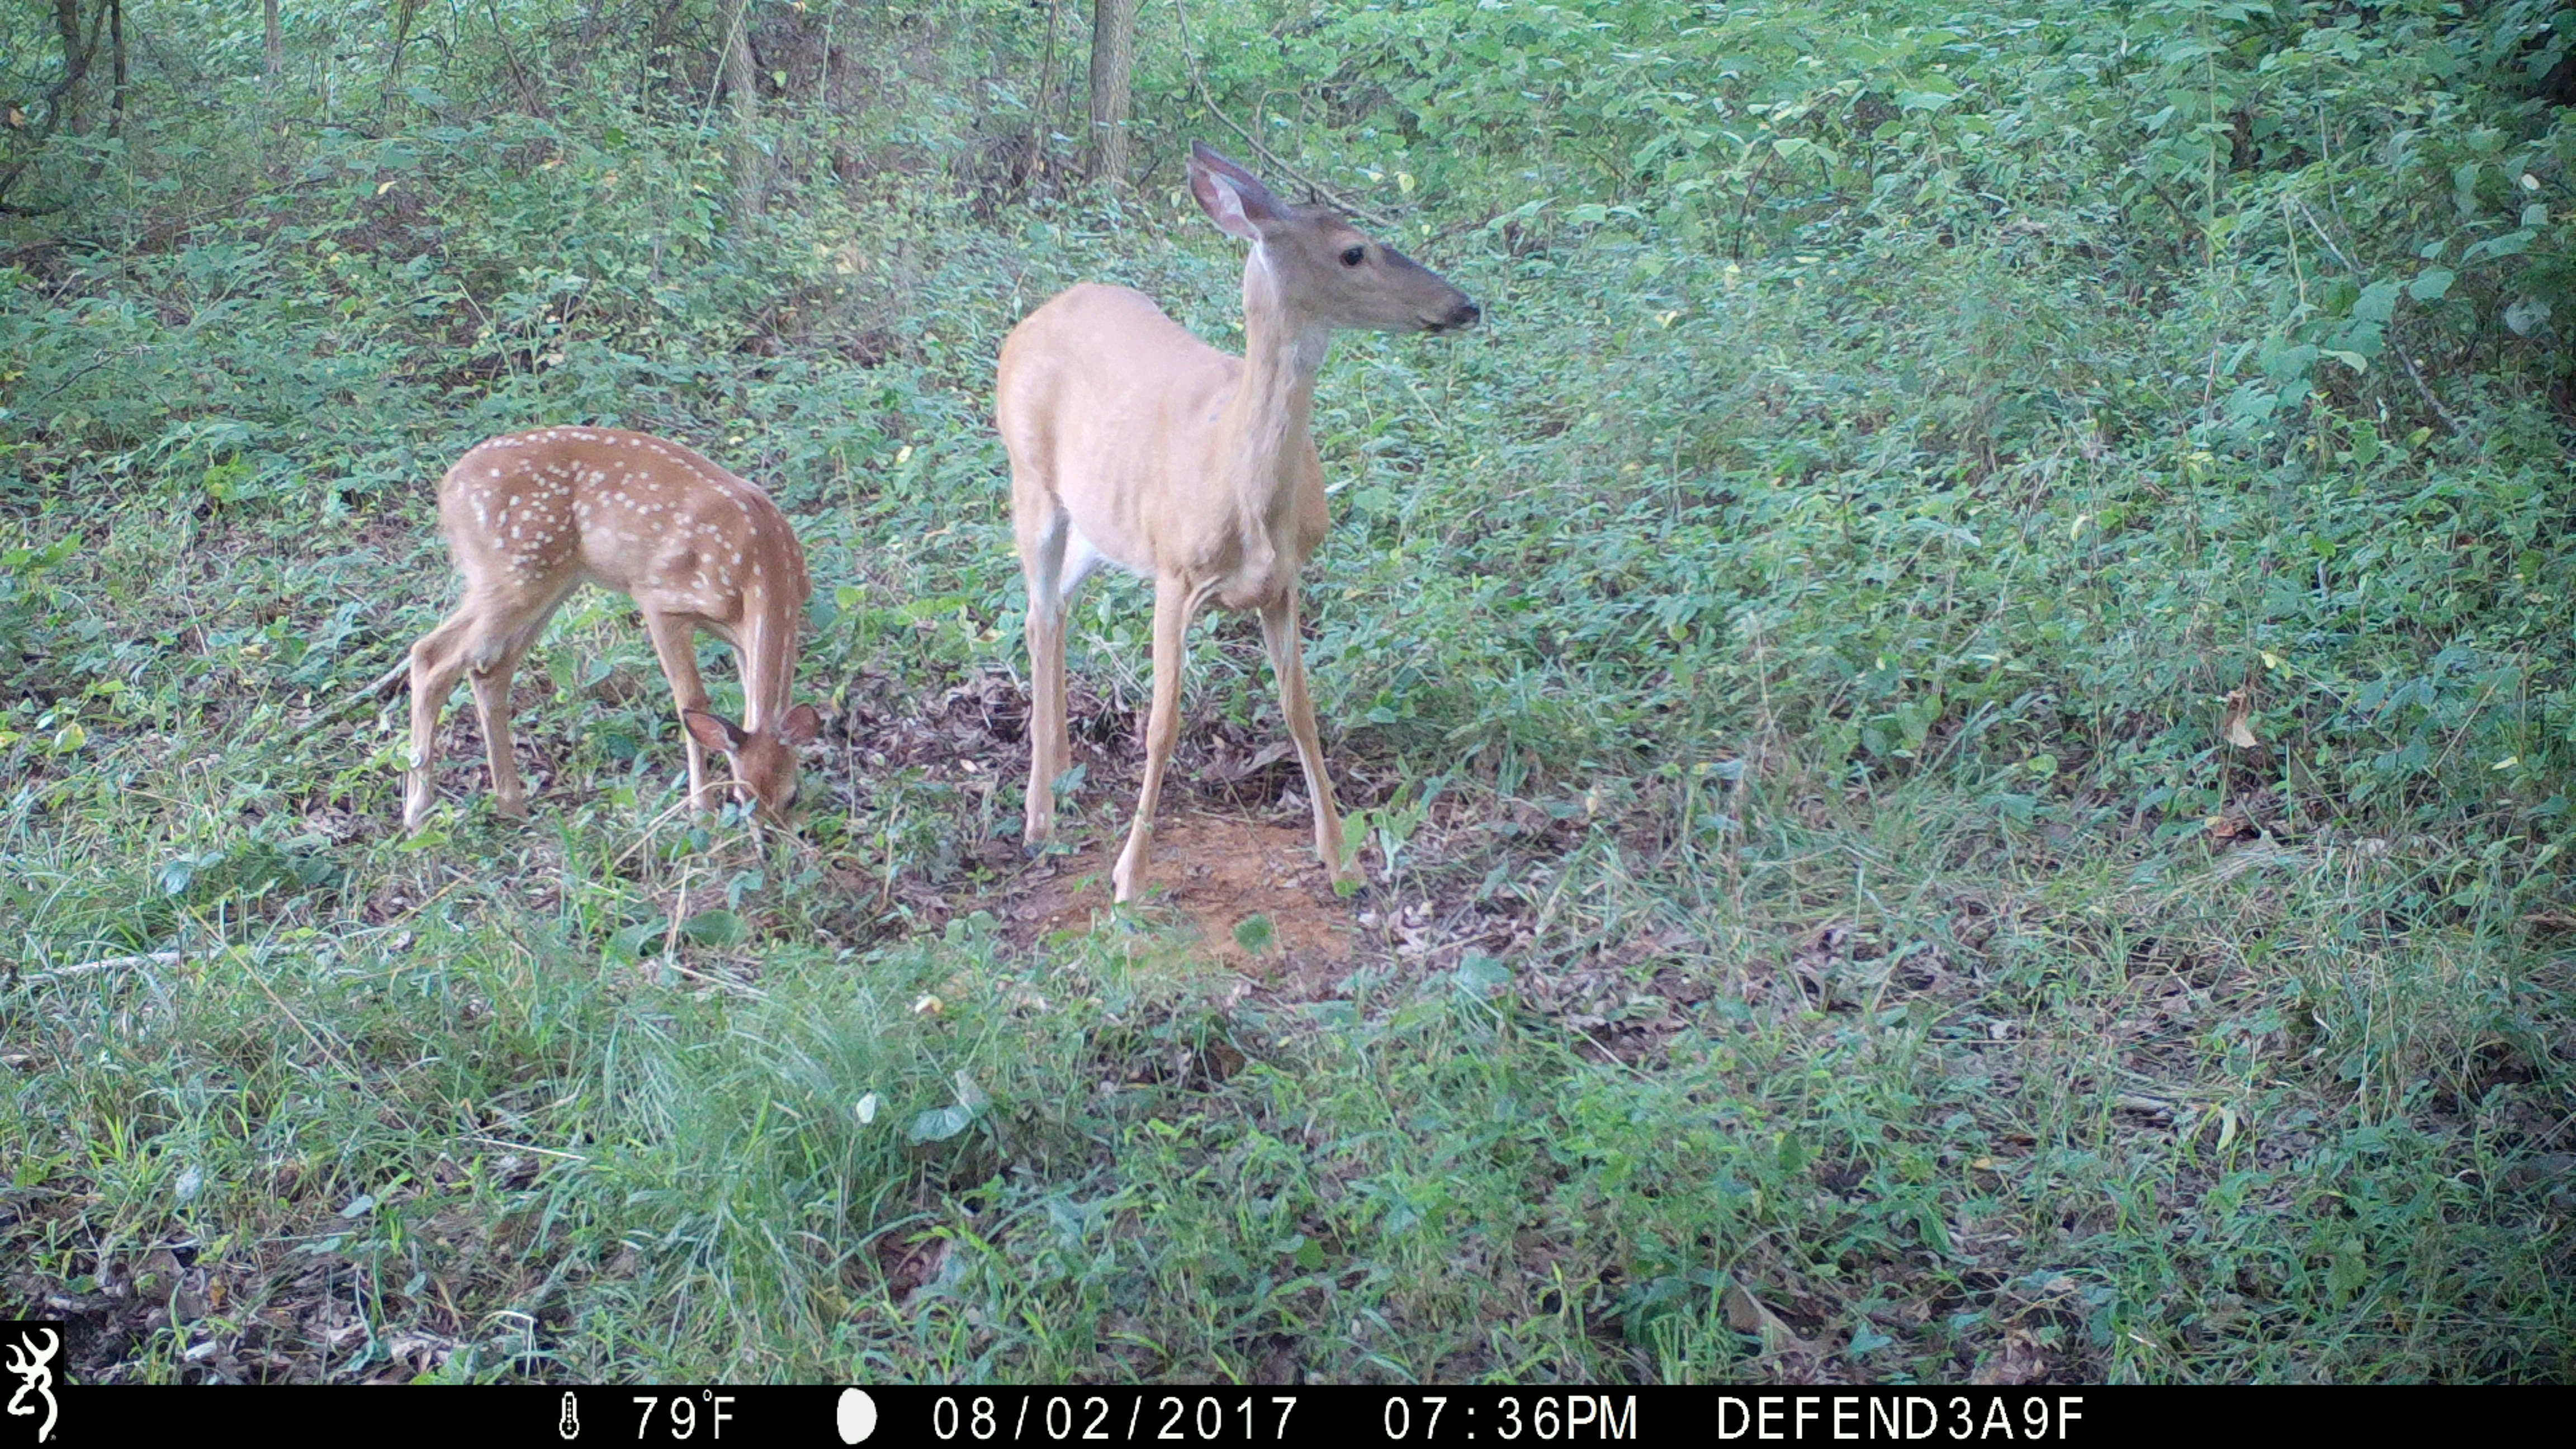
(713, 731)
(802, 724)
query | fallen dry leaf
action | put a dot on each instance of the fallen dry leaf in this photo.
(2021, 1360)
(1745, 1314)
(2240, 710)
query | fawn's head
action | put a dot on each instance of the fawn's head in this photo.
(764, 763)
(1323, 267)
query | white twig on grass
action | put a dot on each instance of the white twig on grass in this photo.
(386, 680)
(111, 963)
(524, 1147)
(753, 993)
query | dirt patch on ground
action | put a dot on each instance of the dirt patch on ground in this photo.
(1217, 873)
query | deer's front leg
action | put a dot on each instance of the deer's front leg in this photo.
(1173, 604)
(675, 643)
(1287, 650)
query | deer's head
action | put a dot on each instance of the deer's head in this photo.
(1323, 268)
(764, 761)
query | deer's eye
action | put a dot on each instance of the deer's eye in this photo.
(1353, 256)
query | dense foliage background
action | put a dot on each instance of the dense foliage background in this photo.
(1964, 702)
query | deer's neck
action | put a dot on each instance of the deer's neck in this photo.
(1266, 424)
(766, 641)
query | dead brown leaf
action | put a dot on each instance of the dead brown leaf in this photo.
(2021, 1360)
(1229, 767)
(2240, 713)
(1746, 1314)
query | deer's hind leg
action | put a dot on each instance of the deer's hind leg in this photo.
(1042, 545)
(436, 659)
(492, 710)
(485, 638)
(514, 620)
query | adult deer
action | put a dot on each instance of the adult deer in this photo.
(528, 517)
(1133, 442)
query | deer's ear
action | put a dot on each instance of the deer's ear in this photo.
(1216, 160)
(1239, 205)
(802, 724)
(713, 731)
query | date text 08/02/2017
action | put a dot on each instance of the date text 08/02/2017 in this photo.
(1274, 1418)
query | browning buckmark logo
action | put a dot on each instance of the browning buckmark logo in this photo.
(27, 1350)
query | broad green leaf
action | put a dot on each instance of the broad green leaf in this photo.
(630, 944)
(2431, 284)
(939, 1124)
(1480, 975)
(715, 928)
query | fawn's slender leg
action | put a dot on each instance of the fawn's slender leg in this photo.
(675, 642)
(436, 659)
(492, 708)
(1174, 602)
(1288, 663)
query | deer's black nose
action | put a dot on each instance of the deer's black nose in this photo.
(1466, 313)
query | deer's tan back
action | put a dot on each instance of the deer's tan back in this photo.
(642, 515)
(1115, 405)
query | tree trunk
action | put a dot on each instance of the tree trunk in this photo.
(1113, 63)
(117, 77)
(62, 100)
(747, 178)
(112, 14)
(1041, 106)
(76, 57)
(276, 48)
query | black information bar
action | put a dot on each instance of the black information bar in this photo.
(1342, 1416)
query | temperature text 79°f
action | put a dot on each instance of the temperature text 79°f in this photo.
(682, 1414)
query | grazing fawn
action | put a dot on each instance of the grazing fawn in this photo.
(1134, 443)
(529, 516)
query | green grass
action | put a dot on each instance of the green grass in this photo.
(1818, 924)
